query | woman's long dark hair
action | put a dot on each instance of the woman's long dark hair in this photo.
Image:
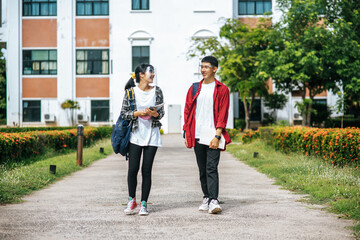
(139, 69)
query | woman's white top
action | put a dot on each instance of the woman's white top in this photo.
(204, 115)
(144, 135)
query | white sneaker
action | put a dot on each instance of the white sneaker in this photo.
(214, 206)
(205, 205)
(143, 209)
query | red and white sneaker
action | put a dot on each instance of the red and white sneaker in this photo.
(130, 206)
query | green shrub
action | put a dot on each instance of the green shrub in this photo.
(283, 123)
(266, 134)
(240, 124)
(322, 113)
(233, 133)
(347, 122)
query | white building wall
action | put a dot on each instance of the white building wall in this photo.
(66, 59)
(13, 66)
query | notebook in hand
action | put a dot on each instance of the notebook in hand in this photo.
(207, 134)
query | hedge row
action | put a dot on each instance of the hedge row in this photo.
(31, 129)
(339, 146)
(17, 146)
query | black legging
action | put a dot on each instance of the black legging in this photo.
(134, 164)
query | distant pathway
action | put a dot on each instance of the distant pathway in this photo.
(88, 205)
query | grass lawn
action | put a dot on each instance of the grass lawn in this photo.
(17, 180)
(336, 188)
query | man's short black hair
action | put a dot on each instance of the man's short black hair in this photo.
(212, 60)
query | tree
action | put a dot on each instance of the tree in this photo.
(71, 106)
(299, 56)
(236, 50)
(2, 89)
(344, 18)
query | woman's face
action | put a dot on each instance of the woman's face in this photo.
(149, 75)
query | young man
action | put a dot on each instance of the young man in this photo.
(209, 109)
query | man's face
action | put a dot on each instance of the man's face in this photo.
(207, 70)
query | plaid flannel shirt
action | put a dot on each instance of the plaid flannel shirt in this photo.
(128, 114)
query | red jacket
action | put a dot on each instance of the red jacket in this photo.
(221, 111)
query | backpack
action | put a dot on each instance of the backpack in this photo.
(195, 86)
(120, 136)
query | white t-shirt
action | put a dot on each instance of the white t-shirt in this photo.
(204, 115)
(144, 135)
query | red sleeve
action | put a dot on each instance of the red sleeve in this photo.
(187, 107)
(224, 103)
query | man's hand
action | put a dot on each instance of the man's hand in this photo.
(214, 144)
(186, 143)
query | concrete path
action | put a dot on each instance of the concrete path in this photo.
(89, 205)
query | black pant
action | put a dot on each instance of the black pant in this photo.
(135, 152)
(208, 161)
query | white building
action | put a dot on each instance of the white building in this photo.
(86, 50)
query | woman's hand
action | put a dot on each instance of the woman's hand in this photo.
(146, 112)
(140, 113)
(151, 112)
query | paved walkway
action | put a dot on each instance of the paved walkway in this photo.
(89, 205)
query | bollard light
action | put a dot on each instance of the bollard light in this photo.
(101, 150)
(53, 169)
(256, 154)
(80, 141)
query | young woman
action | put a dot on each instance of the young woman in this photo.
(145, 136)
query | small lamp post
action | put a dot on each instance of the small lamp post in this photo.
(80, 142)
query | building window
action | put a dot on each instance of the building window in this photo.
(92, 61)
(254, 7)
(100, 110)
(39, 8)
(140, 5)
(140, 54)
(40, 62)
(92, 7)
(32, 111)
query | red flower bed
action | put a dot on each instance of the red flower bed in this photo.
(338, 146)
(250, 136)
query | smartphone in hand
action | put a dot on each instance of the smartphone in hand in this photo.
(157, 107)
